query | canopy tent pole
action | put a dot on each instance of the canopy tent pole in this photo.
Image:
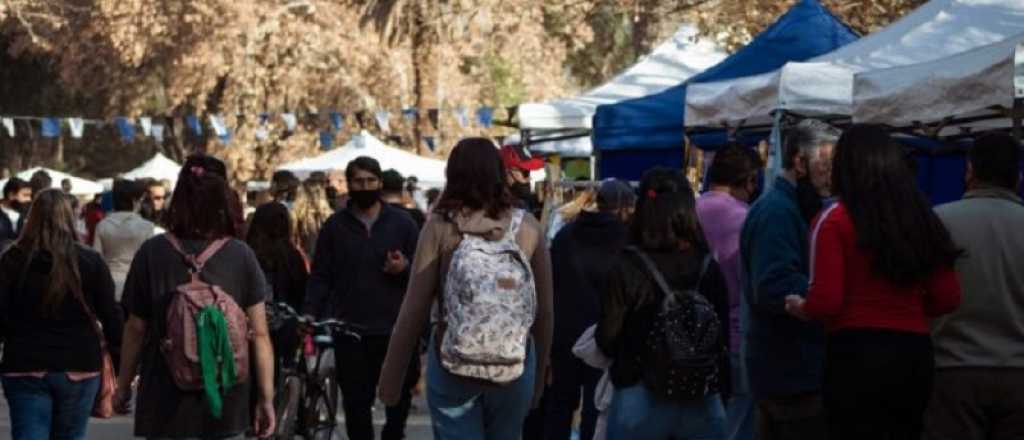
(1018, 91)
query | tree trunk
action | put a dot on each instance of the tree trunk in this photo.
(424, 62)
(645, 25)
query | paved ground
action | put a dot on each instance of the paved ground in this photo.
(121, 427)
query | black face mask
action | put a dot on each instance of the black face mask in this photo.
(521, 190)
(365, 199)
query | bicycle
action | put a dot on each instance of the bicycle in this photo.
(306, 394)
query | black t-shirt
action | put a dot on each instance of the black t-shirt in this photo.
(163, 409)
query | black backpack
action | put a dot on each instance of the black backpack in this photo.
(684, 347)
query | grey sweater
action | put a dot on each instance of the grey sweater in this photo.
(987, 329)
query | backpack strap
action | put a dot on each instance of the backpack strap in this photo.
(652, 269)
(659, 279)
(197, 262)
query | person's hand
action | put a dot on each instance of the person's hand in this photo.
(396, 263)
(265, 420)
(388, 394)
(795, 307)
(123, 399)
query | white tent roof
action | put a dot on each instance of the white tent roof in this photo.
(671, 63)
(963, 85)
(824, 85)
(159, 167)
(79, 186)
(430, 172)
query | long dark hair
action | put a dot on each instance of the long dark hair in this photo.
(270, 235)
(476, 180)
(50, 228)
(666, 212)
(203, 206)
(894, 221)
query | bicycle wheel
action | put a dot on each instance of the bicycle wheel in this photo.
(322, 408)
(287, 406)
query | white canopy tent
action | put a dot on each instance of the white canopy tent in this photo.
(670, 64)
(824, 85)
(79, 186)
(159, 167)
(430, 172)
(963, 86)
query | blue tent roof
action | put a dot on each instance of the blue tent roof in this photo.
(656, 121)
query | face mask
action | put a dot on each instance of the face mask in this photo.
(521, 190)
(366, 198)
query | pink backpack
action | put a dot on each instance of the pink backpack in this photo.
(180, 345)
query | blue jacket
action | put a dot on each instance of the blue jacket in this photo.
(785, 356)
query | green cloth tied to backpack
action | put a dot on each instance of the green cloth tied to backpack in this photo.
(216, 358)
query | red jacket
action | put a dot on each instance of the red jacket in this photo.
(846, 293)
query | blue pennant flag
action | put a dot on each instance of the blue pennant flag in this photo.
(264, 118)
(337, 120)
(429, 140)
(220, 128)
(51, 127)
(326, 140)
(410, 113)
(126, 127)
(194, 124)
(485, 115)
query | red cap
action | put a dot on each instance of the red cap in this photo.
(516, 156)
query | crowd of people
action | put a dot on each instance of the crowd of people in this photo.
(833, 302)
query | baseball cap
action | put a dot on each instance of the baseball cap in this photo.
(615, 194)
(517, 156)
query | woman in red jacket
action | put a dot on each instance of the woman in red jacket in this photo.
(881, 268)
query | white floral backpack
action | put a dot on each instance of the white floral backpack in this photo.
(489, 304)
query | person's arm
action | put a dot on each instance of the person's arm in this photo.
(544, 325)
(775, 266)
(107, 309)
(263, 356)
(828, 277)
(137, 298)
(97, 239)
(943, 295)
(321, 283)
(616, 303)
(412, 318)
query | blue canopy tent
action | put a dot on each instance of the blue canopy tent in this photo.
(633, 135)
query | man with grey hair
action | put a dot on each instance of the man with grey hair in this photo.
(785, 357)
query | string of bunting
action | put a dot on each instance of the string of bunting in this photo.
(158, 128)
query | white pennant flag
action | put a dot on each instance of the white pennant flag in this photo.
(9, 125)
(147, 125)
(219, 128)
(77, 127)
(262, 133)
(290, 121)
(383, 120)
(158, 132)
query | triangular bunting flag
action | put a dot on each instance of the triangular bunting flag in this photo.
(290, 121)
(429, 140)
(262, 132)
(157, 130)
(77, 127)
(485, 116)
(51, 127)
(220, 129)
(126, 128)
(462, 115)
(383, 120)
(410, 113)
(326, 139)
(147, 125)
(9, 125)
(337, 120)
(434, 115)
(361, 119)
(194, 125)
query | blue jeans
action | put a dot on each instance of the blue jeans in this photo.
(463, 409)
(50, 408)
(739, 409)
(636, 414)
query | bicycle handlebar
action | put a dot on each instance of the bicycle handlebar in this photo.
(328, 324)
